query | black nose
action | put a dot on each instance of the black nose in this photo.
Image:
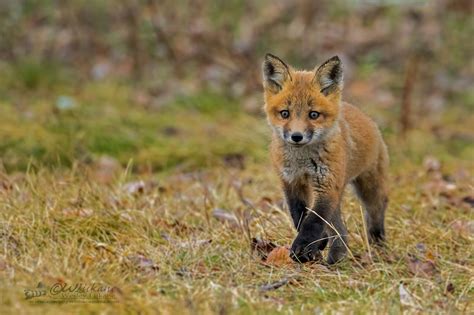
(297, 137)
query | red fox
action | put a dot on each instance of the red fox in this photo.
(319, 145)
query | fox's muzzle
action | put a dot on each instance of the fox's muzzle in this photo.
(297, 138)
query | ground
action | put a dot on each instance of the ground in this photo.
(159, 207)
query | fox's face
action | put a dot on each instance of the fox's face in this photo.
(302, 106)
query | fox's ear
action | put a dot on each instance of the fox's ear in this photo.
(329, 76)
(275, 73)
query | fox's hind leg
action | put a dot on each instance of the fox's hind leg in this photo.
(371, 188)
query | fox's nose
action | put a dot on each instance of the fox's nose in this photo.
(297, 137)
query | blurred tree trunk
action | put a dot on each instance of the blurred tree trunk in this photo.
(134, 46)
(406, 119)
(411, 72)
(163, 37)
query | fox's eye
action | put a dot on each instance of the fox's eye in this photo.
(313, 115)
(285, 114)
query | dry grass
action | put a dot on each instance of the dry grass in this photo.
(75, 209)
(158, 244)
(147, 228)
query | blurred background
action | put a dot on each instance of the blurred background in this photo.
(166, 85)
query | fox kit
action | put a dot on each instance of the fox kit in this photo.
(319, 145)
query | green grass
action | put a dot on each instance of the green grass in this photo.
(105, 121)
(63, 220)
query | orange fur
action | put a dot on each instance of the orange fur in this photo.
(342, 146)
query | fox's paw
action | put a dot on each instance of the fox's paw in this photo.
(303, 250)
(336, 254)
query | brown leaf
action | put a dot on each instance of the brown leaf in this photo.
(262, 247)
(469, 200)
(421, 268)
(449, 288)
(279, 256)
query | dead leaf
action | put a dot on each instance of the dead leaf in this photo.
(279, 256)
(469, 200)
(105, 169)
(431, 164)
(405, 297)
(278, 284)
(178, 227)
(134, 188)
(225, 217)
(439, 186)
(142, 262)
(234, 160)
(262, 247)
(421, 247)
(419, 267)
(449, 288)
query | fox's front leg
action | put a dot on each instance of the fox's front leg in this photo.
(297, 199)
(312, 236)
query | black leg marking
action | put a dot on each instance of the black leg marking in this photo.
(311, 237)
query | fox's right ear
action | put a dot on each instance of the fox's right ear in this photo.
(275, 73)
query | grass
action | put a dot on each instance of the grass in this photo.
(144, 225)
(100, 121)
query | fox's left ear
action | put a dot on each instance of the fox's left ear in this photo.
(275, 73)
(329, 76)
